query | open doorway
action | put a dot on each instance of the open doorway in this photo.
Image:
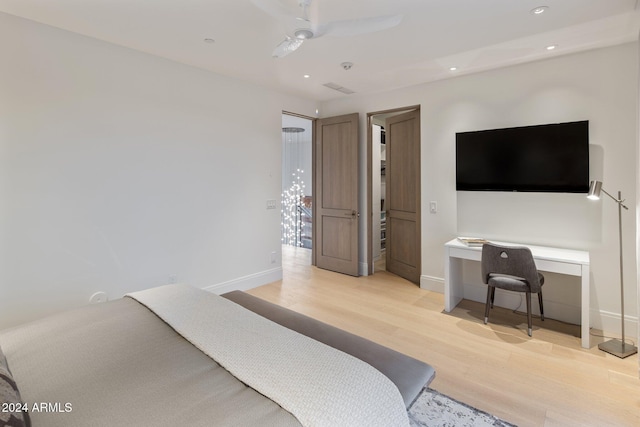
(297, 196)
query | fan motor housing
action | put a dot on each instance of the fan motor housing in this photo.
(303, 33)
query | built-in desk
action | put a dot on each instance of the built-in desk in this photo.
(555, 260)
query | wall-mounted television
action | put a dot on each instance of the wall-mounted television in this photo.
(550, 158)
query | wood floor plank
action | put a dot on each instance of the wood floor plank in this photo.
(544, 380)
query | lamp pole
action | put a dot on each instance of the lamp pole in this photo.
(615, 347)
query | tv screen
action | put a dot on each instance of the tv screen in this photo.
(545, 158)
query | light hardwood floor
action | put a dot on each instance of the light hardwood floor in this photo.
(547, 380)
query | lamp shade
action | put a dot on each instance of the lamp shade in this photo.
(594, 190)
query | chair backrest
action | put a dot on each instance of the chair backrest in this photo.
(511, 260)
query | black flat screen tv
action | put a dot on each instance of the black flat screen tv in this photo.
(551, 158)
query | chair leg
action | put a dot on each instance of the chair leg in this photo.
(529, 322)
(541, 307)
(493, 295)
(488, 304)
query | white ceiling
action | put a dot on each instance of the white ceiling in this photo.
(434, 35)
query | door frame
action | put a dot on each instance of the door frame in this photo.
(370, 265)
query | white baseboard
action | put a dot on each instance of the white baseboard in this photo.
(432, 283)
(609, 323)
(605, 321)
(363, 269)
(511, 300)
(247, 282)
(515, 300)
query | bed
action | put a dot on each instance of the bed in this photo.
(178, 355)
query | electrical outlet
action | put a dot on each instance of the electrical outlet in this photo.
(271, 204)
(273, 257)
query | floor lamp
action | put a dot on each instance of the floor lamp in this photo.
(616, 347)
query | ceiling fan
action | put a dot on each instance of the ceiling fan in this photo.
(305, 25)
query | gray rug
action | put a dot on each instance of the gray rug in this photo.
(434, 409)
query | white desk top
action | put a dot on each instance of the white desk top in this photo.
(539, 252)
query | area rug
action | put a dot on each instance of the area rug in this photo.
(434, 409)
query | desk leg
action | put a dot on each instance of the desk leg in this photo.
(453, 289)
(586, 308)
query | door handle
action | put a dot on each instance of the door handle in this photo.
(353, 214)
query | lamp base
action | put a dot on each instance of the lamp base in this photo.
(618, 348)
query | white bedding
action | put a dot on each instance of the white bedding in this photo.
(319, 385)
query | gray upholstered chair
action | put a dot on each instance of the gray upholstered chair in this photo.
(511, 268)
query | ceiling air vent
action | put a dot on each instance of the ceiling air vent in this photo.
(339, 88)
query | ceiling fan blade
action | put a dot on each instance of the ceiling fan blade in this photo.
(354, 27)
(287, 46)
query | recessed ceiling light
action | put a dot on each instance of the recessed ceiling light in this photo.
(539, 10)
(207, 40)
(453, 68)
(306, 76)
(551, 47)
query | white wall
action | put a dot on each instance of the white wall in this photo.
(119, 169)
(600, 86)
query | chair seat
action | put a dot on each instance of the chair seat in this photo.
(511, 268)
(511, 283)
